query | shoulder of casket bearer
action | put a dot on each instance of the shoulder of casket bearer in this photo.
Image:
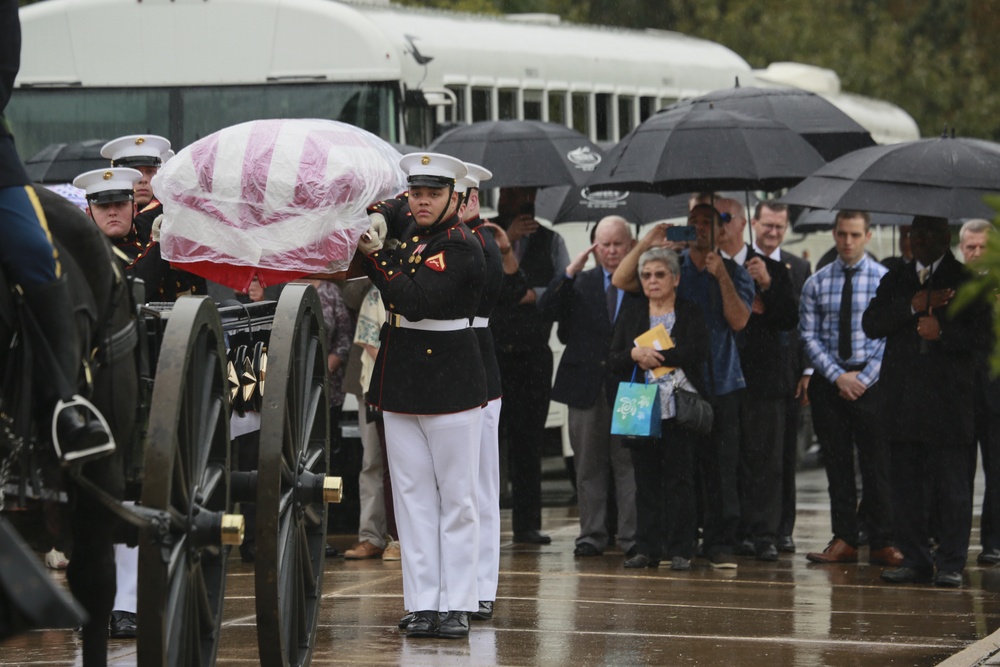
(102, 184)
(434, 170)
(137, 150)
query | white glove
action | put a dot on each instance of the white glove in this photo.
(369, 242)
(379, 225)
(154, 233)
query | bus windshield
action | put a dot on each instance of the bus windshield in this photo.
(43, 116)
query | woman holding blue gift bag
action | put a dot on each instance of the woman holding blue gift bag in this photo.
(664, 467)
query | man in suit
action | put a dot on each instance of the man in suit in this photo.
(770, 223)
(521, 332)
(763, 358)
(585, 304)
(846, 394)
(929, 375)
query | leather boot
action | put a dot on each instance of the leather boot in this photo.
(81, 432)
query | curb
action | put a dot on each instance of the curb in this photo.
(975, 654)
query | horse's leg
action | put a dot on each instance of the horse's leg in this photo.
(91, 572)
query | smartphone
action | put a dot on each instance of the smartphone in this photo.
(682, 233)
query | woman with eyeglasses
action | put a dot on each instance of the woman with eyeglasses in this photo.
(664, 467)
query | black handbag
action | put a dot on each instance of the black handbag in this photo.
(692, 411)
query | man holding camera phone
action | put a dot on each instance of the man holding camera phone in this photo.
(522, 333)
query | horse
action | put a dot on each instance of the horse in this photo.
(104, 315)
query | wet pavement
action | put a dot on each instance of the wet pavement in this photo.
(554, 609)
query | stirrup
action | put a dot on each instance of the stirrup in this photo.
(77, 455)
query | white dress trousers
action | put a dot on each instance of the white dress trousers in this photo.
(126, 576)
(489, 502)
(434, 463)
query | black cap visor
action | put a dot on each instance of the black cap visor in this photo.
(138, 161)
(110, 196)
(429, 181)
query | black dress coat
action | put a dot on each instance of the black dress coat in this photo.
(579, 306)
(435, 273)
(928, 385)
(690, 351)
(764, 342)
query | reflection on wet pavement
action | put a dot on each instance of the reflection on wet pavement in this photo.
(554, 609)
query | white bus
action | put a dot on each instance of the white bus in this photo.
(186, 68)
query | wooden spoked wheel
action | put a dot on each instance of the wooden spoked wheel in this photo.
(182, 565)
(294, 460)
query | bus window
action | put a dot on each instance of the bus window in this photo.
(667, 101)
(460, 103)
(626, 115)
(647, 107)
(533, 104)
(604, 118)
(581, 113)
(507, 104)
(481, 107)
(557, 107)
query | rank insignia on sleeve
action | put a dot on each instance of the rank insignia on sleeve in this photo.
(435, 262)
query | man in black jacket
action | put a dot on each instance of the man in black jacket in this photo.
(585, 304)
(928, 373)
(764, 354)
(522, 332)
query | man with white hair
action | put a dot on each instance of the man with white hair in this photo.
(585, 305)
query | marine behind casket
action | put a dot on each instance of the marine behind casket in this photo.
(430, 384)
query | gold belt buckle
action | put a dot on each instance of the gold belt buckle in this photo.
(394, 320)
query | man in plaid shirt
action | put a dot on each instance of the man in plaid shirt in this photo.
(844, 393)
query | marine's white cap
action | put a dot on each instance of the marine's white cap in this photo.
(476, 175)
(108, 185)
(434, 170)
(137, 150)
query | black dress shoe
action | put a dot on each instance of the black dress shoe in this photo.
(406, 620)
(989, 557)
(485, 611)
(744, 548)
(532, 537)
(948, 579)
(333, 552)
(585, 550)
(122, 625)
(424, 624)
(767, 552)
(642, 560)
(455, 625)
(248, 553)
(785, 544)
(905, 575)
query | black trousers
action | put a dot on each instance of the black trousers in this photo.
(842, 425)
(761, 449)
(526, 378)
(718, 463)
(930, 484)
(987, 430)
(789, 462)
(666, 520)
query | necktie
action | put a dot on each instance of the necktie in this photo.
(612, 296)
(844, 347)
(924, 274)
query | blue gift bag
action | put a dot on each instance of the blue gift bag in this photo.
(636, 409)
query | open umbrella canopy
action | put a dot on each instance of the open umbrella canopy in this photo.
(701, 148)
(573, 203)
(828, 129)
(943, 177)
(523, 153)
(61, 163)
(816, 220)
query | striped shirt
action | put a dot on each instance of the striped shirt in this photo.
(819, 320)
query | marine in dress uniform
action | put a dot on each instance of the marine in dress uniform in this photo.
(489, 453)
(146, 153)
(110, 196)
(430, 385)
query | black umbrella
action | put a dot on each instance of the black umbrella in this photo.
(943, 177)
(61, 163)
(828, 129)
(523, 153)
(698, 149)
(571, 203)
(816, 220)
